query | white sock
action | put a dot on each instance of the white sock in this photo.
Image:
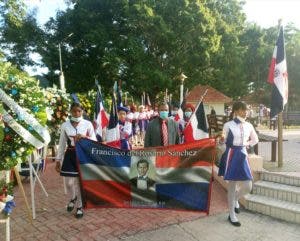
(78, 192)
(231, 200)
(70, 186)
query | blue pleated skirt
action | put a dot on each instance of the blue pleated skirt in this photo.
(234, 164)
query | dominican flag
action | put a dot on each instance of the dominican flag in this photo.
(113, 132)
(173, 177)
(118, 91)
(196, 128)
(179, 115)
(278, 77)
(100, 116)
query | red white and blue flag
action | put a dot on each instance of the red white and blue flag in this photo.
(278, 76)
(177, 177)
(113, 132)
(196, 129)
(100, 117)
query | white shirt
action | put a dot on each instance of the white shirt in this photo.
(68, 131)
(125, 130)
(143, 116)
(243, 133)
(130, 116)
(136, 115)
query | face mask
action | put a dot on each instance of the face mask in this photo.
(241, 119)
(76, 119)
(163, 114)
(188, 114)
(174, 112)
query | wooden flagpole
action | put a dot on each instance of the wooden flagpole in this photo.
(280, 153)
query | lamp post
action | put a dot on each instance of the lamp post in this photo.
(182, 77)
(61, 73)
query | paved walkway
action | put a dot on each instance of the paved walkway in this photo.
(54, 223)
(255, 227)
(291, 151)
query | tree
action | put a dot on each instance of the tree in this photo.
(227, 70)
(147, 43)
(20, 33)
(292, 37)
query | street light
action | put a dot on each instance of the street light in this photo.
(61, 73)
(182, 77)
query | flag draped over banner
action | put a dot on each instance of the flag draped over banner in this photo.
(100, 116)
(278, 76)
(176, 177)
(196, 128)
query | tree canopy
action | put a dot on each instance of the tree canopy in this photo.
(148, 43)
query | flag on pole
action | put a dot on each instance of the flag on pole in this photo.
(278, 76)
(196, 128)
(113, 132)
(118, 91)
(100, 116)
(179, 115)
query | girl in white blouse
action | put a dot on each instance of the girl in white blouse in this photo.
(234, 164)
(66, 164)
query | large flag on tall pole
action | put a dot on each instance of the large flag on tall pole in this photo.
(278, 76)
(100, 117)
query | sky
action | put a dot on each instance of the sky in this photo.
(263, 12)
(267, 12)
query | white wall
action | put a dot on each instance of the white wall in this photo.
(219, 108)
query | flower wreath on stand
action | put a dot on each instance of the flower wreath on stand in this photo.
(57, 111)
(24, 117)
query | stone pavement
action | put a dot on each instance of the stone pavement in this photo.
(291, 151)
(255, 227)
(54, 223)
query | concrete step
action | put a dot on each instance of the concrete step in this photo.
(275, 208)
(293, 180)
(277, 191)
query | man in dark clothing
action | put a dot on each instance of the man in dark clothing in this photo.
(212, 111)
(162, 131)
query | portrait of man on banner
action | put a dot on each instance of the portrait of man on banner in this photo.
(142, 174)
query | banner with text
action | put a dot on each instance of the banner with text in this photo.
(173, 177)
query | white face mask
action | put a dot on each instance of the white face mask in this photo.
(76, 119)
(174, 112)
(241, 119)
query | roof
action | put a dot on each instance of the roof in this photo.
(212, 96)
